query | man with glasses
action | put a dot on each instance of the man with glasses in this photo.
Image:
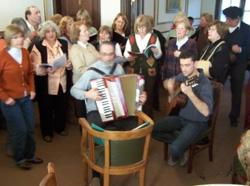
(82, 90)
(238, 40)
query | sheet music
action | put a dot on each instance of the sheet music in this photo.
(57, 63)
(60, 61)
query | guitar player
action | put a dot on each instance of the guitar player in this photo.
(192, 118)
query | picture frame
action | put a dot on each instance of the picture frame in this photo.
(173, 6)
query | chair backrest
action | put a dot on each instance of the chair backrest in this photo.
(50, 178)
(217, 92)
(121, 148)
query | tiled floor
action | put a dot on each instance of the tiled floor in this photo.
(65, 153)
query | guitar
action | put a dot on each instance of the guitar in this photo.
(178, 100)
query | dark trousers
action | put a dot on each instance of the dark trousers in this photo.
(20, 119)
(149, 88)
(120, 125)
(80, 108)
(52, 110)
(237, 76)
(189, 133)
(247, 112)
(2, 121)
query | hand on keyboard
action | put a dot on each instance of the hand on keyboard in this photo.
(93, 94)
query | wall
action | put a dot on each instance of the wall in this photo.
(109, 9)
(208, 6)
(8, 11)
(163, 19)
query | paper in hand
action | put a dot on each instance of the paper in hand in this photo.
(57, 63)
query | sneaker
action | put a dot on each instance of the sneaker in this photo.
(63, 133)
(48, 139)
(184, 159)
(24, 165)
(95, 181)
(35, 160)
(171, 162)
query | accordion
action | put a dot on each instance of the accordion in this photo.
(120, 95)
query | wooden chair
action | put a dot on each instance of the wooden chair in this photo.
(50, 178)
(207, 139)
(123, 152)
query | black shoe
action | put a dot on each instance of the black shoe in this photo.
(233, 123)
(48, 139)
(35, 160)
(24, 165)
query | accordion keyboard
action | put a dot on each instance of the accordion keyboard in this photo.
(104, 106)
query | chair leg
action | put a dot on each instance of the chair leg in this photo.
(190, 160)
(165, 151)
(142, 177)
(210, 152)
(105, 179)
(85, 173)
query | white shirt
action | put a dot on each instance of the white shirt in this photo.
(32, 29)
(232, 29)
(181, 42)
(142, 44)
(16, 53)
(84, 45)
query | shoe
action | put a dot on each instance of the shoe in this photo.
(24, 165)
(171, 162)
(48, 139)
(63, 133)
(233, 123)
(184, 159)
(35, 160)
(95, 181)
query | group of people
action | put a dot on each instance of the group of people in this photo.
(31, 46)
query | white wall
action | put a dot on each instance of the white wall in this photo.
(208, 6)
(109, 9)
(10, 9)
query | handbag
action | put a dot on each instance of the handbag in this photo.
(206, 64)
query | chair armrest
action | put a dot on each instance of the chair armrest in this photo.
(142, 117)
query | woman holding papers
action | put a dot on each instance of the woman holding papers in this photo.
(142, 49)
(82, 54)
(51, 83)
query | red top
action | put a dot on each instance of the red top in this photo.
(16, 80)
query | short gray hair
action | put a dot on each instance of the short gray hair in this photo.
(45, 26)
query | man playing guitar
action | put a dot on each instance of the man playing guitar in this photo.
(192, 118)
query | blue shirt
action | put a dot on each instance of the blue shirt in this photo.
(203, 91)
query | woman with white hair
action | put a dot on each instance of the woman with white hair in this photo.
(51, 83)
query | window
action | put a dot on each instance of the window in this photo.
(246, 15)
(227, 3)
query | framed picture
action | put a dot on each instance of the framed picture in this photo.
(173, 5)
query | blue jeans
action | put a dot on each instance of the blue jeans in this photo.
(165, 129)
(20, 119)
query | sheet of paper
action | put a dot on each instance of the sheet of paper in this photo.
(60, 62)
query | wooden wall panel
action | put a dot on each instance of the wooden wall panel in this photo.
(70, 7)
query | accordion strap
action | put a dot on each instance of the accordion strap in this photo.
(101, 72)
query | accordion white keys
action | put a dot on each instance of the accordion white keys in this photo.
(120, 95)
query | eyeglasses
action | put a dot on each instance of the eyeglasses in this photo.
(107, 54)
